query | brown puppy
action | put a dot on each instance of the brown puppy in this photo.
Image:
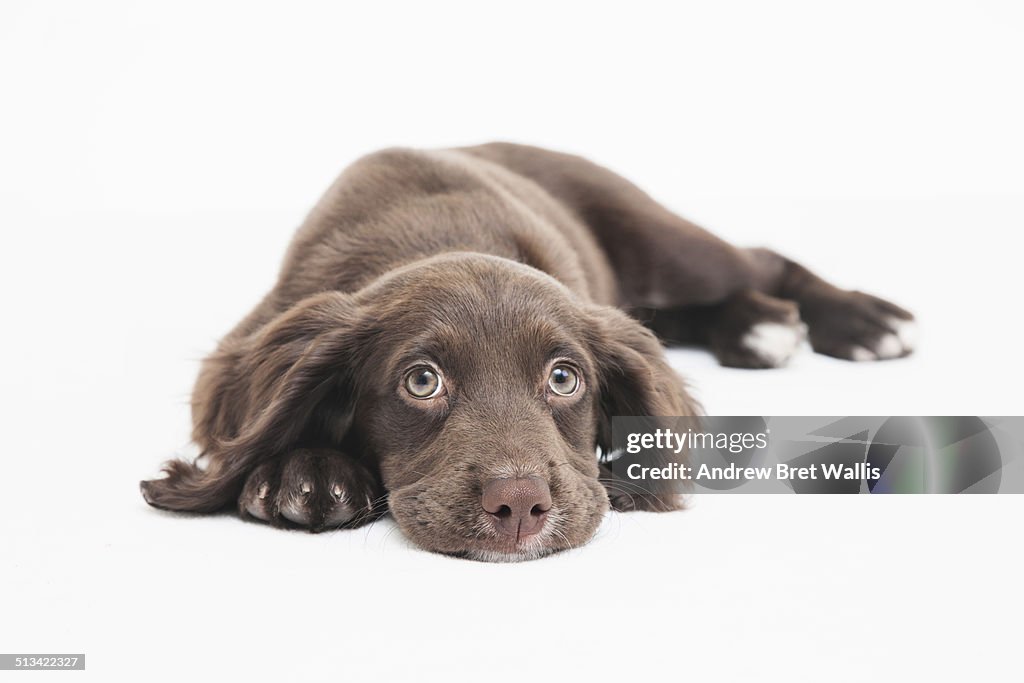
(444, 342)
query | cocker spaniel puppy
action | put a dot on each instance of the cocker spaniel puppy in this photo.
(451, 333)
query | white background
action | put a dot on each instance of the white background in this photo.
(155, 159)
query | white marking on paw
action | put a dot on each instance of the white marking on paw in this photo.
(906, 330)
(774, 343)
(889, 346)
(264, 489)
(859, 353)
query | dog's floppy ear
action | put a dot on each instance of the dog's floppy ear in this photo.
(635, 379)
(257, 396)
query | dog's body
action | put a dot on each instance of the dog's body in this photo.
(443, 341)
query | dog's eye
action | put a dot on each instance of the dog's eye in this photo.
(423, 382)
(563, 380)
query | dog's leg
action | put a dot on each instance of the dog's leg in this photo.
(749, 329)
(314, 489)
(693, 287)
(763, 326)
(842, 323)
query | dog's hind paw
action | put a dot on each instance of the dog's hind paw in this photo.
(754, 330)
(312, 489)
(773, 344)
(859, 327)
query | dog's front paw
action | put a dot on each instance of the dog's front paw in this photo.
(312, 489)
(858, 326)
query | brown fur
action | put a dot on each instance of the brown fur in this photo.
(489, 263)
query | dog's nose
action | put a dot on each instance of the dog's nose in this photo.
(519, 506)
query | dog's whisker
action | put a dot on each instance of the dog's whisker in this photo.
(624, 485)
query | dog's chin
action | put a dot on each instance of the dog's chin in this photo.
(483, 544)
(496, 550)
(499, 550)
(509, 556)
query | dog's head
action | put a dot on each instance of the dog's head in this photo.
(479, 388)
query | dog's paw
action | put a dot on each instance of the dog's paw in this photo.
(754, 330)
(312, 489)
(860, 327)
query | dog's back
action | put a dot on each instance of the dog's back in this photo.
(400, 205)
